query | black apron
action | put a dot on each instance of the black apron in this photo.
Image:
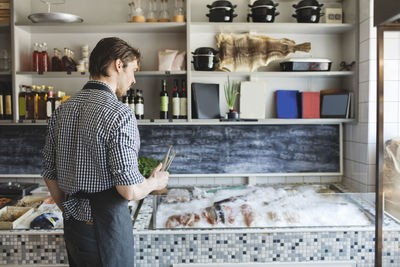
(112, 221)
(113, 228)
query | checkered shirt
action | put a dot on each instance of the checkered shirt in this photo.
(92, 144)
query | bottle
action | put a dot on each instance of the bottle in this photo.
(41, 103)
(176, 104)
(30, 102)
(65, 61)
(139, 105)
(35, 58)
(131, 100)
(183, 101)
(58, 99)
(50, 103)
(41, 61)
(56, 61)
(164, 100)
(8, 102)
(74, 65)
(22, 102)
(125, 100)
(164, 14)
(1, 102)
(44, 66)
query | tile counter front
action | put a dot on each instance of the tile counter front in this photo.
(167, 247)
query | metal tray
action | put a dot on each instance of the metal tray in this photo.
(52, 17)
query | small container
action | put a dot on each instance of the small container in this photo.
(306, 64)
(137, 11)
(152, 11)
(164, 14)
(179, 13)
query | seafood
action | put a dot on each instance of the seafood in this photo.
(188, 219)
(248, 52)
(218, 213)
(210, 215)
(248, 214)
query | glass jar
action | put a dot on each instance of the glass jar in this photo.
(179, 13)
(152, 11)
(4, 60)
(137, 11)
(164, 14)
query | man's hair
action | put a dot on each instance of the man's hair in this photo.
(106, 51)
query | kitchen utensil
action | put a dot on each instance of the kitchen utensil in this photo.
(54, 17)
(166, 162)
(204, 59)
(306, 64)
(221, 11)
(263, 11)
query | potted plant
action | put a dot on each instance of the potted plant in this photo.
(231, 92)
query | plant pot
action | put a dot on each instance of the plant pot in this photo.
(233, 115)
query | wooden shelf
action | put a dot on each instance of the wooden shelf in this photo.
(215, 122)
(276, 74)
(292, 28)
(62, 74)
(156, 27)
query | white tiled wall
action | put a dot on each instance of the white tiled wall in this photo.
(360, 139)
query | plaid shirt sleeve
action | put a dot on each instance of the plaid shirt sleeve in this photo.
(49, 153)
(122, 151)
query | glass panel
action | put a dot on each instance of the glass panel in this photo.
(391, 170)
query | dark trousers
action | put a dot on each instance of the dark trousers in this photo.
(81, 244)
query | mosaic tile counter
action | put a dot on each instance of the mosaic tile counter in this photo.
(167, 247)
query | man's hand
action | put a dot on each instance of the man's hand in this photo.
(160, 177)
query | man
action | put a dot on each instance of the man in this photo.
(90, 161)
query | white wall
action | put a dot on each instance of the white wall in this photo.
(360, 138)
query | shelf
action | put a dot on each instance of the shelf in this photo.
(62, 74)
(271, 121)
(215, 122)
(156, 27)
(5, 73)
(275, 74)
(293, 28)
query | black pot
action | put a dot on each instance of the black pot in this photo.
(221, 11)
(204, 59)
(263, 11)
(308, 15)
(221, 14)
(308, 3)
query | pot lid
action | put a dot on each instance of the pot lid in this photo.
(204, 51)
(264, 3)
(221, 3)
(305, 3)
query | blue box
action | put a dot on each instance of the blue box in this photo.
(287, 104)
